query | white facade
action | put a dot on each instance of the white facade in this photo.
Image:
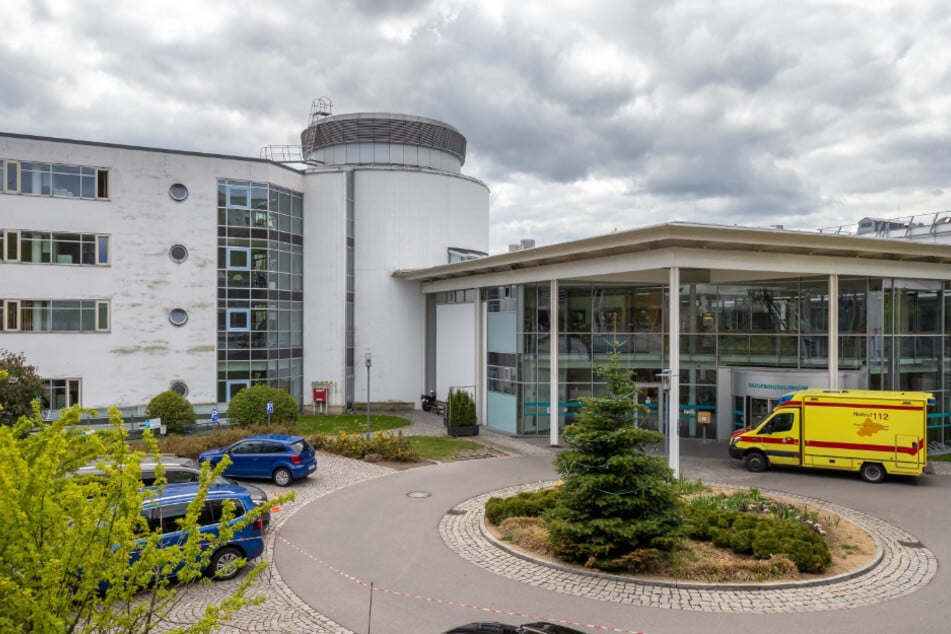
(403, 216)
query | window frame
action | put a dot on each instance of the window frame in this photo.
(247, 192)
(8, 305)
(103, 322)
(7, 164)
(11, 239)
(232, 250)
(244, 383)
(102, 184)
(238, 311)
(108, 240)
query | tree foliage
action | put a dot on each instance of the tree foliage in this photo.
(249, 406)
(66, 542)
(22, 387)
(460, 409)
(174, 410)
(615, 498)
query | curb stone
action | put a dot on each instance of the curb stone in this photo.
(900, 567)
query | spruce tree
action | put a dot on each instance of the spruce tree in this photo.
(615, 498)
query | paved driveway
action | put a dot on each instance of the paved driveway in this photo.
(385, 531)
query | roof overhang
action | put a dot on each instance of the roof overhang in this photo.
(712, 253)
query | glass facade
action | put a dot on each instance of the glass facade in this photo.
(893, 333)
(260, 288)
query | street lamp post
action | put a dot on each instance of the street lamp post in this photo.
(670, 427)
(368, 357)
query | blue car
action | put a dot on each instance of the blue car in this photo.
(276, 457)
(170, 505)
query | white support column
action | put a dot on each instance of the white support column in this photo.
(833, 331)
(673, 405)
(480, 360)
(554, 437)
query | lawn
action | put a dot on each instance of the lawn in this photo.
(429, 447)
(350, 423)
(441, 447)
(944, 457)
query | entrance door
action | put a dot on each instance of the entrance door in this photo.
(757, 409)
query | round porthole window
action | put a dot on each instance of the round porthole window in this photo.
(178, 317)
(178, 192)
(178, 253)
(179, 388)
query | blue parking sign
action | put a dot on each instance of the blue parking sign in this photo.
(270, 407)
(214, 415)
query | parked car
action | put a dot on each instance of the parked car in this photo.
(276, 457)
(180, 470)
(502, 628)
(171, 503)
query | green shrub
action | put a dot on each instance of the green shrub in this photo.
(387, 445)
(460, 409)
(173, 409)
(525, 504)
(191, 446)
(760, 536)
(249, 406)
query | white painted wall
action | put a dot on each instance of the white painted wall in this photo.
(455, 347)
(406, 219)
(325, 268)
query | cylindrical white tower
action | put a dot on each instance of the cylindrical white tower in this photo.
(385, 193)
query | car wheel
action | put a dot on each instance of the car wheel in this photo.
(755, 462)
(872, 472)
(282, 477)
(222, 566)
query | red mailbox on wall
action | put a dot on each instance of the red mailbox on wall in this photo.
(320, 395)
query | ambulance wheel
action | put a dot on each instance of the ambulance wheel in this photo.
(755, 462)
(872, 472)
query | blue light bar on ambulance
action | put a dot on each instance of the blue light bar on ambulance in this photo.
(784, 398)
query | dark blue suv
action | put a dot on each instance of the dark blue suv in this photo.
(170, 504)
(276, 457)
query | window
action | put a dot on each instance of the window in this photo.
(779, 423)
(102, 316)
(213, 512)
(55, 179)
(44, 247)
(102, 249)
(239, 259)
(238, 196)
(167, 517)
(239, 319)
(236, 386)
(11, 315)
(252, 446)
(178, 317)
(179, 387)
(178, 253)
(61, 393)
(12, 176)
(178, 192)
(11, 246)
(44, 315)
(35, 178)
(102, 184)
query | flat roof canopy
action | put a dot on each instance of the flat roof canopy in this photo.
(705, 254)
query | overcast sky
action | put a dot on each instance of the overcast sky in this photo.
(581, 117)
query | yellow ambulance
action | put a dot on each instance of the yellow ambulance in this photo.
(872, 432)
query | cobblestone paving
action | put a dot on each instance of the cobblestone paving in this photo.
(282, 611)
(902, 566)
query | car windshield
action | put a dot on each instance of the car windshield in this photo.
(301, 446)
